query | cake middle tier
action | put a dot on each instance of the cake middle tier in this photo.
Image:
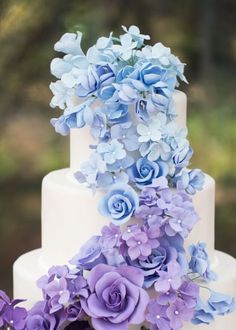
(70, 216)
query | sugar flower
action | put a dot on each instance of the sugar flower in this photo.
(116, 297)
(199, 262)
(90, 254)
(156, 315)
(190, 181)
(111, 151)
(144, 171)
(222, 303)
(203, 313)
(177, 313)
(169, 279)
(135, 34)
(119, 203)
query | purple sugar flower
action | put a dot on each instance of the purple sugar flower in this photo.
(111, 236)
(150, 214)
(169, 279)
(39, 319)
(177, 313)
(75, 312)
(59, 294)
(156, 315)
(189, 293)
(138, 246)
(181, 221)
(15, 317)
(167, 298)
(116, 297)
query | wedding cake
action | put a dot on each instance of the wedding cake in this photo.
(128, 228)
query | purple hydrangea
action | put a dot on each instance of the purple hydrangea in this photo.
(178, 313)
(156, 315)
(170, 279)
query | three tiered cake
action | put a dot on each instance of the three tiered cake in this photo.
(136, 224)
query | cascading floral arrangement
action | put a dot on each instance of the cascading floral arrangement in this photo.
(137, 271)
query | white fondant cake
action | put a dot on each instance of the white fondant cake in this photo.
(70, 217)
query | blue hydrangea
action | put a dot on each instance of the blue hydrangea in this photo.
(111, 151)
(127, 133)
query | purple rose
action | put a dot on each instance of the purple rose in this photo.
(116, 297)
(90, 254)
(75, 312)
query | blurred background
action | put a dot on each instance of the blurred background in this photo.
(201, 32)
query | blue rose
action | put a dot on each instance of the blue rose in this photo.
(90, 254)
(158, 260)
(97, 76)
(144, 171)
(119, 203)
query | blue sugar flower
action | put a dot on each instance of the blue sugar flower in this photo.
(203, 313)
(94, 78)
(90, 254)
(121, 164)
(126, 93)
(98, 123)
(60, 66)
(126, 73)
(155, 150)
(127, 134)
(181, 156)
(117, 113)
(119, 203)
(151, 74)
(61, 95)
(134, 32)
(141, 109)
(199, 262)
(70, 44)
(90, 170)
(190, 181)
(74, 117)
(125, 49)
(105, 93)
(111, 151)
(105, 180)
(150, 132)
(143, 172)
(222, 303)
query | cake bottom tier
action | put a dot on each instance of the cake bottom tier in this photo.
(29, 267)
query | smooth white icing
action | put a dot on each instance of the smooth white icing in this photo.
(69, 216)
(80, 138)
(29, 267)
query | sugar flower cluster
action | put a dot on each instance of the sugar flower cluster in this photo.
(123, 91)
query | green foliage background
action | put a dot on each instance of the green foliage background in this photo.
(201, 32)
